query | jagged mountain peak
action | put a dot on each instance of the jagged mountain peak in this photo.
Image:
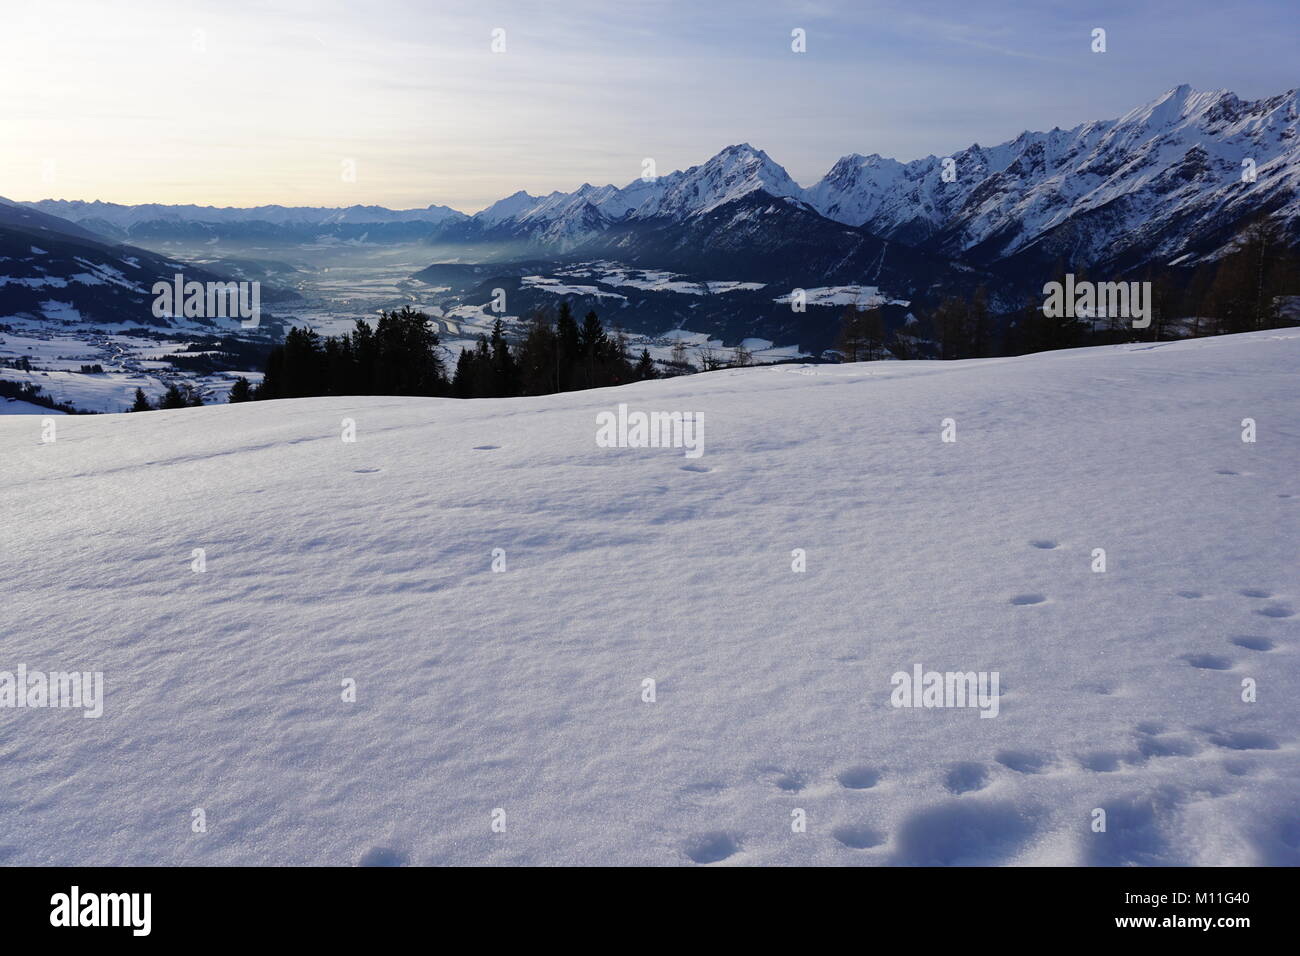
(1163, 181)
(1157, 182)
(733, 172)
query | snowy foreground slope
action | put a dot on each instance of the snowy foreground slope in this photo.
(522, 690)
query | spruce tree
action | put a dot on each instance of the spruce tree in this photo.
(645, 367)
(592, 343)
(535, 357)
(174, 398)
(505, 373)
(241, 391)
(462, 385)
(566, 348)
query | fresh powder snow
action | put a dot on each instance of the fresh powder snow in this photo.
(498, 592)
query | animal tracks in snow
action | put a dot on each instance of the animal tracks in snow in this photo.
(979, 821)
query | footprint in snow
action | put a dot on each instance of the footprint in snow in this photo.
(1024, 599)
(858, 837)
(1104, 688)
(1100, 762)
(1253, 643)
(1023, 761)
(486, 447)
(1045, 544)
(966, 777)
(1190, 595)
(382, 856)
(1276, 610)
(970, 831)
(1255, 593)
(704, 791)
(1209, 662)
(1242, 740)
(711, 847)
(1166, 746)
(1133, 835)
(366, 471)
(791, 781)
(698, 469)
(859, 778)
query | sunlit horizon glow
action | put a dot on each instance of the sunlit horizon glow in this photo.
(243, 104)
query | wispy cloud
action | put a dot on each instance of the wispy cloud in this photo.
(242, 102)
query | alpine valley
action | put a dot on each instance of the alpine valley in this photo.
(710, 258)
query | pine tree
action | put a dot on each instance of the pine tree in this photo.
(462, 384)
(141, 402)
(535, 357)
(951, 321)
(241, 391)
(484, 378)
(174, 398)
(408, 357)
(592, 343)
(566, 348)
(505, 372)
(645, 367)
(980, 333)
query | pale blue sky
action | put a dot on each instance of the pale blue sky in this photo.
(239, 103)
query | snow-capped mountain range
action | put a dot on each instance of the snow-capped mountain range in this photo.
(1175, 177)
(126, 217)
(1172, 181)
(1163, 181)
(563, 221)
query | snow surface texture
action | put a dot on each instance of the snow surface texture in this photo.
(522, 690)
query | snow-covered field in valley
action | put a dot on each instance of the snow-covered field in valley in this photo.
(523, 690)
